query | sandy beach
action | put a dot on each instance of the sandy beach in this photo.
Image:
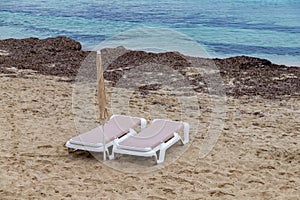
(257, 155)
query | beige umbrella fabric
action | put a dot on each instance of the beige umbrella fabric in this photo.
(101, 98)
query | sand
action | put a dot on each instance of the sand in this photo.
(244, 145)
(257, 155)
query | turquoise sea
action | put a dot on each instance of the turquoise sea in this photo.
(262, 28)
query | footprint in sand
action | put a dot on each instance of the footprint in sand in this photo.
(130, 178)
(131, 189)
(223, 185)
(45, 146)
(169, 191)
(155, 198)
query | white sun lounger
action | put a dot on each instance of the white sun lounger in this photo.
(116, 127)
(159, 136)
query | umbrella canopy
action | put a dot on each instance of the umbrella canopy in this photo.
(101, 97)
(101, 90)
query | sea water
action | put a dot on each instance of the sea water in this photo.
(262, 28)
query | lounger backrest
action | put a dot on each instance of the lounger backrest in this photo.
(119, 125)
(92, 136)
(158, 132)
(115, 127)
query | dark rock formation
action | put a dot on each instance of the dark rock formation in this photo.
(62, 56)
(59, 56)
(241, 75)
(255, 76)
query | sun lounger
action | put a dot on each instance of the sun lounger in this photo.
(116, 127)
(159, 136)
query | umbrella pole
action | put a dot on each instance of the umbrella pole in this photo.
(101, 99)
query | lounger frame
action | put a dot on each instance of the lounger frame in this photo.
(131, 132)
(151, 152)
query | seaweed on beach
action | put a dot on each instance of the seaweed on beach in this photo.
(60, 56)
(254, 76)
(63, 57)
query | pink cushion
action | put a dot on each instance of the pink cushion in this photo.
(160, 131)
(116, 127)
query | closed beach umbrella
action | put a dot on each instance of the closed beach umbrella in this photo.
(101, 98)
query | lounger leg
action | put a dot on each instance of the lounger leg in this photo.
(99, 155)
(162, 153)
(112, 155)
(107, 155)
(186, 129)
(155, 156)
